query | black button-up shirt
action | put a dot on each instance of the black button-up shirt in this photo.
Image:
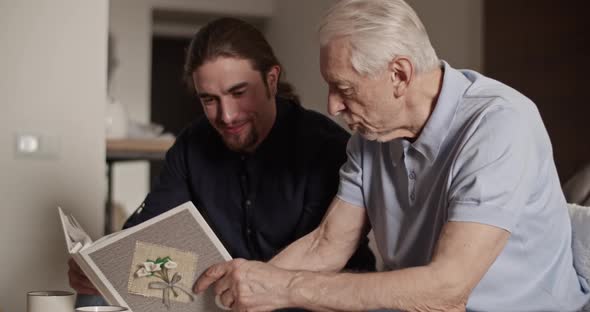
(257, 203)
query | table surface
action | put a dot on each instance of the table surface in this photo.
(137, 149)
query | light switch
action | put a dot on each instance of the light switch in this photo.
(30, 145)
(27, 144)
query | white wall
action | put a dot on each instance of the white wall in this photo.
(52, 83)
(253, 8)
(292, 32)
(455, 28)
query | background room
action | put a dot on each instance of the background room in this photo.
(54, 93)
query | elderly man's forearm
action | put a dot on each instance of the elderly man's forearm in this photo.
(312, 253)
(331, 244)
(414, 289)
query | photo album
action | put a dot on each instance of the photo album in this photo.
(153, 265)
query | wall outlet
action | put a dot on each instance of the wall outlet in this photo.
(41, 146)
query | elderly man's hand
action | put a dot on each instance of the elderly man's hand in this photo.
(248, 285)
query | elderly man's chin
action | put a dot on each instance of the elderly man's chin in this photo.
(371, 136)
(374, 136)
(367, 135)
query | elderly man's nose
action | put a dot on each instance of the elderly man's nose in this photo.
(335, 104)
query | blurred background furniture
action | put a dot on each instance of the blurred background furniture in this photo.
(577, 188)
(120, 150)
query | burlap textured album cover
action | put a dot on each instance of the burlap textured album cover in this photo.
(153, 266)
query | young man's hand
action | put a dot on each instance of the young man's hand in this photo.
(78, 280)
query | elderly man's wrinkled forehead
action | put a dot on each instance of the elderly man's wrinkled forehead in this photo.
(335, 63)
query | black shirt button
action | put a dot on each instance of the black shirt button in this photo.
(248, 202)
(140, 208)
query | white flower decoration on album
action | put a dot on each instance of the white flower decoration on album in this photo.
(168, 282)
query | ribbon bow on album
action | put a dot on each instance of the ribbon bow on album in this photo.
(153, 265)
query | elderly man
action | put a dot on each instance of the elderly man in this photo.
(452, 170)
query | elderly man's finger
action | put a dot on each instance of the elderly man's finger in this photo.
(223, 284)
(210, 276)
(227, 299)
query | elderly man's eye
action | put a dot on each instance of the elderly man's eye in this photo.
(346, 91)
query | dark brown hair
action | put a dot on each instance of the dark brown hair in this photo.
(230, 37)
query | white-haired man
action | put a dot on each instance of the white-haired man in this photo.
(452, 170)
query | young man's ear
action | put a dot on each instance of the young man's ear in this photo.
(272, 79)
(401, 71)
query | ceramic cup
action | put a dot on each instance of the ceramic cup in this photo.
(101, 309)
(50, 300)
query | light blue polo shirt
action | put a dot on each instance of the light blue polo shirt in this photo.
(483, 156)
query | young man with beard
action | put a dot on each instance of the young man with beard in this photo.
(261, 169)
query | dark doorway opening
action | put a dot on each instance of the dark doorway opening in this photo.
(541, 49)
(172, 105)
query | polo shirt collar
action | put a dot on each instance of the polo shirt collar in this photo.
(439, 123)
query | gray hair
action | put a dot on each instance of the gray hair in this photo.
(378, 31)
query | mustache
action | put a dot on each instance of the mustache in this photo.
(237, 123)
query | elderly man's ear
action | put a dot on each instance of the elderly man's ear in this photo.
(401, 73)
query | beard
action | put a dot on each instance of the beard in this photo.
(241, 142)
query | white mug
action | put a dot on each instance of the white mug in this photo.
(52, 300)
(101, 309)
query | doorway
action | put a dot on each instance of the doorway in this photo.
(541, 48)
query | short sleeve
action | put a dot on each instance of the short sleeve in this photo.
(351, 173)
(490, 177)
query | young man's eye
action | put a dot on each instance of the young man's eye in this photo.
(238, 93)
(207, 100)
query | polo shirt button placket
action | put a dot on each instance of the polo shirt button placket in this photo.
(412, 185)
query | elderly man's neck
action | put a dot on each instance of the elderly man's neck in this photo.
(422, 97)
